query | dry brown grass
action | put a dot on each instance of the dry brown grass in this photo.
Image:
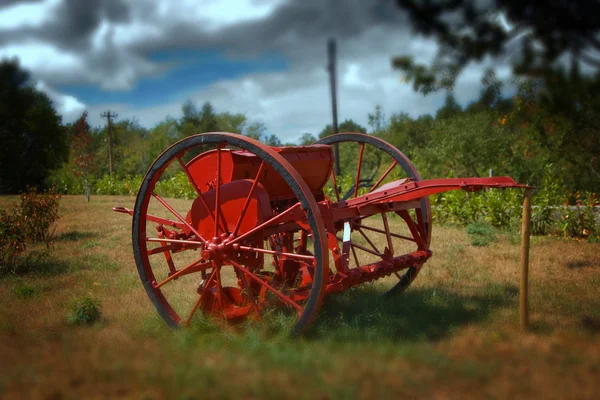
(453, 334)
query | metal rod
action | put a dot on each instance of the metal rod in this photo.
(525, 233)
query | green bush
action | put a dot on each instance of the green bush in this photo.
(12, 239)
(481, 233)
(65, 182)
(38, 212)
(580, 220)
(503, 207)
(84, 311)
(550, 195)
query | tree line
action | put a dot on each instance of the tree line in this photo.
(519, 136)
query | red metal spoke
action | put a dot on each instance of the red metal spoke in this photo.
(387, 233)
(368, 240)
(369, 228)
(413, 229)
(197, 189)
(354, 253)
(273, 220)
(248, 198)
(153, 218)
(189, 176)
(200, 298)
(161, 240)
(335, 186)
(164, 221)
(269, 287)
(276, 253)
(178, 216)
(167, 254)
(218, 192)
(384, 175)
(182, 271)
(358, 246)
(360, 157)
(162, 249)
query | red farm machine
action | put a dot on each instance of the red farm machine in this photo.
(274, 229)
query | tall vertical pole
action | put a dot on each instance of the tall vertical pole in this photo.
(331, 68)
(525, 233)
(108, 115)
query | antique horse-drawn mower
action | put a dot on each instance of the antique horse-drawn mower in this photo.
(271, 228)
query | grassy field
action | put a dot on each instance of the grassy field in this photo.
(453, 334)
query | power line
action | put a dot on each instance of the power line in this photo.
(108, 115)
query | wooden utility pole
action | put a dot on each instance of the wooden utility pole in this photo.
(525, 233)
(334, 127)
(108, 115)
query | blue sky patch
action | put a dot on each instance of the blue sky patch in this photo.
(187, 71)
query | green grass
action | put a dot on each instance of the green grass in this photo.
(453, 334)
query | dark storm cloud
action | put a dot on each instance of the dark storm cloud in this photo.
(298, 29)
(8, 3)
(295, 23)
(72, 24)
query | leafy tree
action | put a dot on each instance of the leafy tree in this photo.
(83, 156)
(130, 151)
(208, 119)
(256, 130)
(537, 33)
(34, 141)
(468, 145)
(450, 108)
(273, 140)
(234, 123)
(560, 123)
(161, 136)
(307, 139)
(346, 126)
(408, 134)
(377, 121)
(190, 114)
(193, 121)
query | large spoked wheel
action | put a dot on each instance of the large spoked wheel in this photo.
(211, 253)
(367, 163)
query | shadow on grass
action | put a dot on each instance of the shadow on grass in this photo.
(362, 314)
(41, 263)
(577, 264)
(74, 236)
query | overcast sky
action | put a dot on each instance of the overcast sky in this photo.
(264, 58)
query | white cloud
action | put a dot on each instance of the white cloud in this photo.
(214, 14)
(27, 15)
(41, 57)
(68, 106)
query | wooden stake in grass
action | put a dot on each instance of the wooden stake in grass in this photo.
(525, 233)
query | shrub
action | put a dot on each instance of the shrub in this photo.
(481, 234)
(12, 239)
(580, 220)
(84, 311)
(550, 195)
(503, 207)
(38, 211)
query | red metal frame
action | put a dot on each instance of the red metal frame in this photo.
(253, 194)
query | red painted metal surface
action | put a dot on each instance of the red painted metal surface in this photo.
(256, 213)
(313, 163)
